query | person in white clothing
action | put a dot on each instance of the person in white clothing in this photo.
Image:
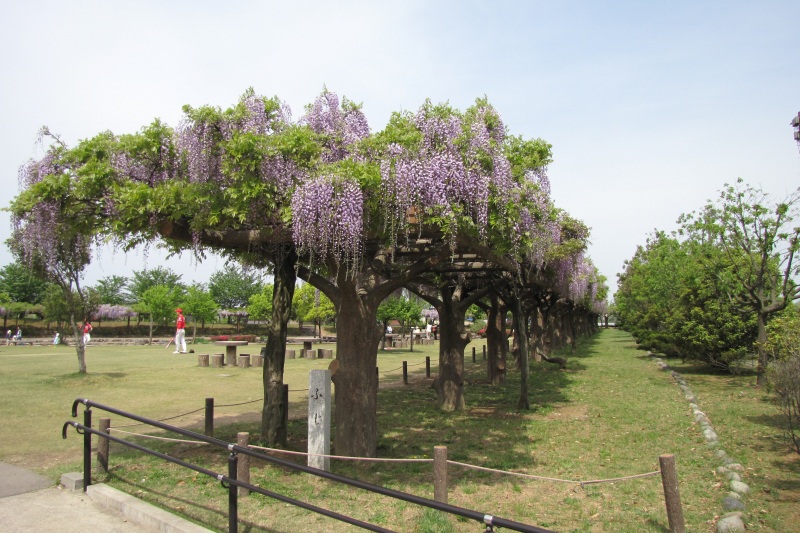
(180, 333)
(87, 332)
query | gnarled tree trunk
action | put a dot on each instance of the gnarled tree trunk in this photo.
(496, 341)
(273, 429)
(356, 380)
(449, 384)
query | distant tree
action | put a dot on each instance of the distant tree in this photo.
(112, 290)
(407, 311)
(476, 313)
(145, 279)
(760, 235)
(302, 303)
(390, 309)
(672, 303)
(232, 287)
(22, 284)
(159, 304)
(199, 306)
(259, 306)
(52, 219)
(322, 311)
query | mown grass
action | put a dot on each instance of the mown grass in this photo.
(610, 414)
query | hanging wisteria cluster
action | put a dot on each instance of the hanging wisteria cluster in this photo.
(39, 235)
(327, 219)
(439, 168)
(341, 127)
(440, 177)
(202, 135)
(198, 143)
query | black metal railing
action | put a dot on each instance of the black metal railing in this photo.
(230, 481)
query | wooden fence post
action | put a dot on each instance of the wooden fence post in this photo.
(427, 366)
(102, 444)
(405, 372)
(440, 473)
(672, 497)
(209, 417)
(243, 464)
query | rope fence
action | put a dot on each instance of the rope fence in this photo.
(554, 479)
(404, 460)
(216, 406)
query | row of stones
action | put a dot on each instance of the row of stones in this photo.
(732, 504)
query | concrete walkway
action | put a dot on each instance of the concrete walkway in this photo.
(30, 502)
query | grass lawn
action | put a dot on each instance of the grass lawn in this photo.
(610, 414)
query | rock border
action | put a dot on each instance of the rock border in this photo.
(732, 519)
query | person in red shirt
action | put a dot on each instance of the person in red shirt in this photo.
(87, 330)
(180, 333)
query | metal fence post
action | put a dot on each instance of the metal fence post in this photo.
(233, 502)
(87, 450)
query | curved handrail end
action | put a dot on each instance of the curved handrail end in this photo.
(64, 428)
(75, 405)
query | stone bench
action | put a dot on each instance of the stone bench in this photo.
(230, 350)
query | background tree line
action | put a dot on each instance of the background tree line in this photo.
(152, 295)
(723, 290)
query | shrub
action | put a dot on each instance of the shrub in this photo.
(785, 378)
(784, 374)
(248, 338)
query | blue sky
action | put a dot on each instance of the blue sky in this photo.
(651, 107)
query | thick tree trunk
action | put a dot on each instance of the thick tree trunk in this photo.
(273, 429)
(80, 348)
(356, 380)
(496, 342)
(763, 356)
(519, 318)
(536, 337)
(449, 384)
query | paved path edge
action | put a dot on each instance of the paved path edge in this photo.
(140, 512)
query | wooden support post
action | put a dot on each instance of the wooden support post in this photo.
(102, 444)
(672, 497)
(405, 372)
(440, 474)
(209, 417)
(427, 366)
(243, 464)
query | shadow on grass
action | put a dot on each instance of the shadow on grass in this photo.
(410, 424)
(76, 379)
